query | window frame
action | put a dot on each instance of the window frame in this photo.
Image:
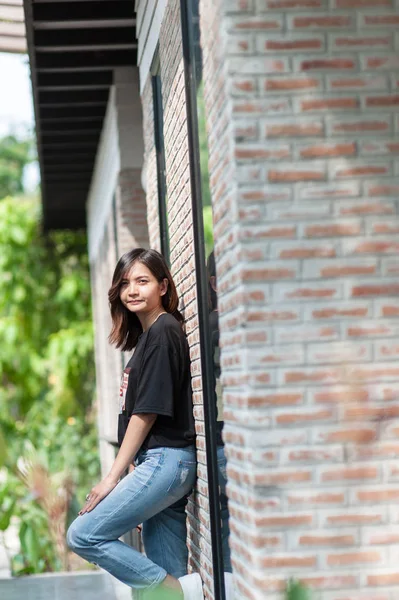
(156, 83)
(210, 421)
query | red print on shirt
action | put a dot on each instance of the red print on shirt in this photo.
(123, 388)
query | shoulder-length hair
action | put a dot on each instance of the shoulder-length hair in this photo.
(126, 326)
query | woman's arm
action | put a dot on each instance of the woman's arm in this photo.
(137, 430)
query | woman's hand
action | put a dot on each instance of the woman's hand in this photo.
(98, 492)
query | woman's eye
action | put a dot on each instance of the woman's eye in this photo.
(143, 281)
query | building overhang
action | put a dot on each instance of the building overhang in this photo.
(12, 27)
(74, 47)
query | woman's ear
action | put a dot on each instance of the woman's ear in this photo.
(164, 286)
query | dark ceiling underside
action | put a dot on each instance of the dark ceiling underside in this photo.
(73, 48)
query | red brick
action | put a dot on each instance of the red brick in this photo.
(333, 230)
(282, 521)
(376, 247)
(262, 153)
(267, 274)
(379, 147)
(355, 519)
(350, 473)
(376, 289)
(328, 149)
(382, 62)
(345, 435)
(381, 101)
(328, 104)
(374, 82)
(306, 252)
(383, 579)
(389, 311)
(287, 175)
(271, 195)
(273, 315)
(316, 375)
(347, 4)
(338, 312)
(313, 456)
(362, 171)
(244, 85)
(362, 413)
(380, 20)
(345, 270)
(382, 450)
(294, 129)
(340, 395)
(318, 498)
(375, 329)
(292, 562)
(321, 22)
(291, 4)
(359, 125)
(311, 292)
(334, 581)
(378, 495)
(354, 558)
(387, 227)
(387, 350)
(304, 417)
(268, 231)
(292, 45)
(318, 64)
(374, 189)
(365, 208)
(292, 84)
(353, 41)
(247, 107)
(257, 23)
(322, 539)
(265, 400)
(338, 189)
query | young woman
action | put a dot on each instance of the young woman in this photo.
(155, 431)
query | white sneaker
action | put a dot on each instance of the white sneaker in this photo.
(192, 587)
(228, 586)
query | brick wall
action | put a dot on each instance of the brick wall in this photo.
(301, 98)
(131, 212)
(108, 360)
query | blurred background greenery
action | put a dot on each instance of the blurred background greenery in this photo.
(48, 440)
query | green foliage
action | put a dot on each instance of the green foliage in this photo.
(208, 229)
(44, 313)
(46, 383)
(203, 146)
(15, 154)
(296, 591)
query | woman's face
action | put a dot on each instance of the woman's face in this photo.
(140, 291)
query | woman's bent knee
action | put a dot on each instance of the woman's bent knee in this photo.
(76, 537)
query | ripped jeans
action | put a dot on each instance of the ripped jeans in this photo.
(162, 478)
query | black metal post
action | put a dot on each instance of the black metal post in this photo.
(161, 168)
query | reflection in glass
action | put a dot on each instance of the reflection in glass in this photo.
(212, 291)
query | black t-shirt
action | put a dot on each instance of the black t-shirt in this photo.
(157, 380)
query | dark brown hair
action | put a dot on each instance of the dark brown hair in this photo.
(126, 326)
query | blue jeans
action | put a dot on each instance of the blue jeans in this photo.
(162, 477)
(168, 529)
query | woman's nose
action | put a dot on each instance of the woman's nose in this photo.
(132, 289)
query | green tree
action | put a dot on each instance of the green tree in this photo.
(46, 380)
(15, 154)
